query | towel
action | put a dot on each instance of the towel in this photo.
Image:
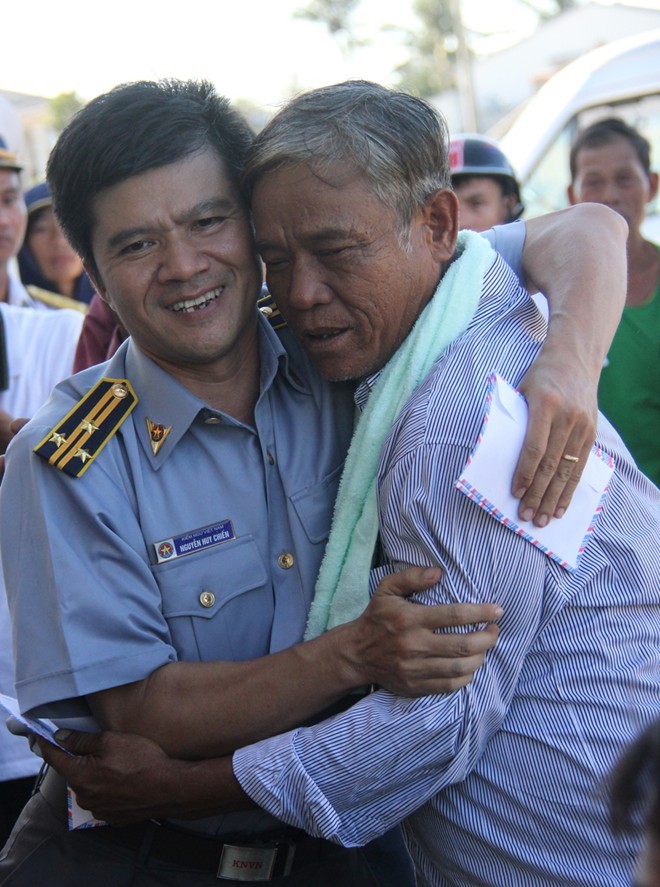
(342, 588)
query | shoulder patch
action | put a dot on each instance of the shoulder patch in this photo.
(55, 300)
(266, 304)
(77, 440)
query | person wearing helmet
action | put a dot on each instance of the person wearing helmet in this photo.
(484, 182)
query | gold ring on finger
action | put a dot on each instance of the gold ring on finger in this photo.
(570, 458)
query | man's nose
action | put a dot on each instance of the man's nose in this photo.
(181, 260)
(611, 194)
(307, 285)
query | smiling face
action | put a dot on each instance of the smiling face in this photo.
(13, 215)
(175, 259)
(336, 267)
(613, 174)
(56, 259)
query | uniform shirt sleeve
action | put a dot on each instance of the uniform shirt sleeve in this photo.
(86, 610)
(509, 242)
(351, 778)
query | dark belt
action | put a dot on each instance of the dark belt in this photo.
(260, 857)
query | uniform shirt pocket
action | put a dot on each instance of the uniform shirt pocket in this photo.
(217, 603)
(314, 506)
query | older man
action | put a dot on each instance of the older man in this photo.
(181, 495)
(500, 780)
(611, 164)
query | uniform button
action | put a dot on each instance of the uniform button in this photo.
(212, 420)
(270, 457)
(285, 560)
(207, 599)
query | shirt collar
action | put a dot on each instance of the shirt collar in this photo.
(276, 358)
(364, 389)
(172, 408)
(18, 295)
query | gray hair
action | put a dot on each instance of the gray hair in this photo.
(398, 142)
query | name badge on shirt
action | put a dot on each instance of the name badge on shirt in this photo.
(195, 540)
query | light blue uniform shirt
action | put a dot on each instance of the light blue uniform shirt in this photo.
(503, 782)
(91, 606)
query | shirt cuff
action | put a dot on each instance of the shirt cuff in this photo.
(271, 773)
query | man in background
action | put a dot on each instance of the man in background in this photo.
(13, 219)
(36, 352)
(484, 181)
(611, 164)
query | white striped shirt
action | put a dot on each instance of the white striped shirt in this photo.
(501, 782)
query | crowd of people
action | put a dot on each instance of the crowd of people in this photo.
(229, 509)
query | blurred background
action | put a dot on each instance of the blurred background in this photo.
(528, 72)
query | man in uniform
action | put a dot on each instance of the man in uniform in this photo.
(500, 781)
(36, 351)
(197, 471)
(13, 219)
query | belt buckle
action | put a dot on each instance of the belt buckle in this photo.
(253, 862)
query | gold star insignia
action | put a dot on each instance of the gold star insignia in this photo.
(88, 426)
(57, 438)
(83, 455)
(157, 434)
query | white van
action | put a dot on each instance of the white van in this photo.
(621, 79)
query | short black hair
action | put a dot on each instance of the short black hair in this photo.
(606, 131)
(506, 184)
(134, 128)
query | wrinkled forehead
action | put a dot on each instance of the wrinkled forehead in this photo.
(299, 196)
(337, 173)
(617, 150)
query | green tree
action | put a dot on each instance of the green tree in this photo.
(430, 66)
(433, 45)
(63, 107)
(336, 16)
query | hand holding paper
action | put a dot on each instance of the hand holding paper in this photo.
(487, 479)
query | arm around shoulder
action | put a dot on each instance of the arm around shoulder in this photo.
(577, 258)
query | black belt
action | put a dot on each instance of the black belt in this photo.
(260, 857)
(255, 858)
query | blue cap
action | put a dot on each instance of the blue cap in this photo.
(8, 158)
(37, 197)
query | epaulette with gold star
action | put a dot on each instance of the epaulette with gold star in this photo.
(266, 304)
(73, 445)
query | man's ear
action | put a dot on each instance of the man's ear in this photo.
(653, 186)
(510, 203)
(97, 283)
(570, 193)
(440, 215)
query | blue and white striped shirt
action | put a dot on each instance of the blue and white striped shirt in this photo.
(502, 782)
